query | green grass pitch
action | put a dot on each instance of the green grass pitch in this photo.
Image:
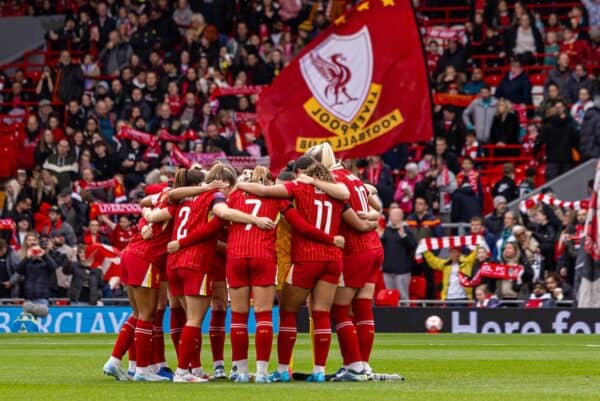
(437, 367)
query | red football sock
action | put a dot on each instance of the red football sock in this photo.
(216, 331)
(264, 335)
(286, 337)
(239, 336)
(322, 337)
(125, 338)
(158, 338)
(365, 326)
(346, 334)
(176, 323)
(190, 346)
(143, 343)
(131, 351)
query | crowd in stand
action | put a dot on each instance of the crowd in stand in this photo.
(155, 66)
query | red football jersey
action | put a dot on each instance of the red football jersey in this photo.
(325, 212)
(194, 212)
(359, 202)
(247, 240)
(154, 249)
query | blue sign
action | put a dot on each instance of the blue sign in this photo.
(91, 319)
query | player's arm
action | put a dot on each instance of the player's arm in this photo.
(338, 191)
(148, 201)
(197, 234)
(226, 213)
(158, 215)
(269, 191)
(351, 218)
(374, 200)
(177, 194)
(303, 227)
(371, 215)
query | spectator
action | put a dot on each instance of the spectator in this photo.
(505, 127)
(182, 15)
(70, 79)
(447, 126)
(45, 147)
(560, 137)
(515, 85)
(121, 233)
(116, 55)
(560, 75)
(540, 298)
(61, 278)
(86, 283)
(551, 49)
(57, 225)
(527, 185)
(63, 165)
(104, 161)
(442, 151)
(558, 288)
(485, 298)
(380, 175)
(509, 221)
(476, 227)
(451, 267)
(45, 86)
(454, 56)
(36, 271)
(506, 187)
(399, 245)
(467, 199)
(529, 248)
(479, 115)
(509, 289)
(472, 148)
(589, 139)
(552, 95)
(593, 10)
(524, 40)
(476, 83)
(578, 79)
(577, 49)
(406, 188)
(104, 23)
(9, 280)
(94, 235)
(584, 102)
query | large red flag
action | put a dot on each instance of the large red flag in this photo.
(361, 85)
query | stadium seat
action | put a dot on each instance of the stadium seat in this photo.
(418, 287)
(389, 297)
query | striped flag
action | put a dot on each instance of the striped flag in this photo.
(587, 267)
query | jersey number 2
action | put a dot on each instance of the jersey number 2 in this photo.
(184, 215)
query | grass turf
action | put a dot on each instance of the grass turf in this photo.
(437, 367)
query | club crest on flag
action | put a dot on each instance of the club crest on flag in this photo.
(338, 73)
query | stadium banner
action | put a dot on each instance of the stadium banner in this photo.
(108, 319)
(490, 321)
(91, 320)
(361, 85)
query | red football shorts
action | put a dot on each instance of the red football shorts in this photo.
(306, 274)
(137, 272)
(245, 272)
(218, 269)
(361, 268)
(189, 282)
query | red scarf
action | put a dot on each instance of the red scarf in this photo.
(135, 135)
(374, 172)
(472, 177)
(491, 270)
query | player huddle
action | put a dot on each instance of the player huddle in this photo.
(214, 236)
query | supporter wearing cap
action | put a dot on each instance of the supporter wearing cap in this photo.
(493, 223)
(60, 227)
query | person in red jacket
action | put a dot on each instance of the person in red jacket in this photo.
(27, 140)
